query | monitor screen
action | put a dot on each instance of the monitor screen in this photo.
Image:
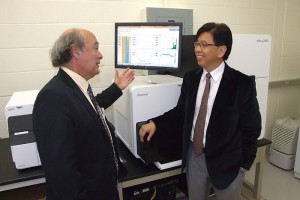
(188, 58)
(148, 45)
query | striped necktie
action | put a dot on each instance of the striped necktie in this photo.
(102, 117)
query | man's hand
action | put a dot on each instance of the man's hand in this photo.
(124, 79)
(147, 128)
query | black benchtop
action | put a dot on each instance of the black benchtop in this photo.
(136, 168)
(8, 172)
(263, 142)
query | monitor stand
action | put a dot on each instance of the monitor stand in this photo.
(159, 79)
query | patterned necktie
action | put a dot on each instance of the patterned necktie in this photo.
(200, 122)
(101, 116)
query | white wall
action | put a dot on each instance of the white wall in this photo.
(28, 28)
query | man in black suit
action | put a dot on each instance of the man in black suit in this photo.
(232, 121)
(76, 146)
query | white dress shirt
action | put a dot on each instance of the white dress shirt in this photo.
(80, 81)
(216, 76)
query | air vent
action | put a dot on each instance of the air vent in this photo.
(285, 135)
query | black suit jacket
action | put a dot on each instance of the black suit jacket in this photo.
(233, 128)
(74, 147)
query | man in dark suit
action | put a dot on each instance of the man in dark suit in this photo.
(232, 119)
(75, 144)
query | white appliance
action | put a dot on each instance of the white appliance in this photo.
(284, 143)
(18, 112)
(145, 98)
(250, 54)
(297, 160)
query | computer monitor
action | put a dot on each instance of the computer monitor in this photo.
(188, 58)
(148, 45)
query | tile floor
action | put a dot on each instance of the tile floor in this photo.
(279, 184)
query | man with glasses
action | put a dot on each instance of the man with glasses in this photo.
(218, 117)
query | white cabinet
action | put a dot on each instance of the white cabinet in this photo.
(297, 161)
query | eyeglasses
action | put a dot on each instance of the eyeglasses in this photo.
(203, 45)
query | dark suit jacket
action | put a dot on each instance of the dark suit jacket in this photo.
(74, 147)
(233, 129)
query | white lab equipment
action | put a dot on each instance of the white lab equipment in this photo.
(297, 160)
(147, 97)
(282, 152)
(250, 54)
(18, 112)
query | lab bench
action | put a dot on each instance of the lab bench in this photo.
(138, 173)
